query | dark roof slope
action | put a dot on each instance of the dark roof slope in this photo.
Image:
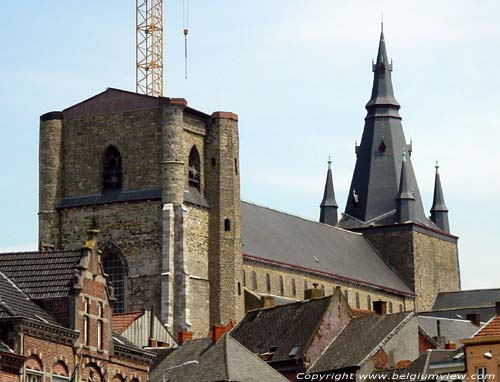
(279, 237)
(467, 299)
(15, 303)
(41, 274)
(452, 329)
(227, 360)
(358, 340)
(283, 326)
(461, 314)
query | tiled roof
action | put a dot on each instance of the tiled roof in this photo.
(467, 299)
(121, 321)
(15, 303)
(41, 274)
(453, 330)
(492, 328)
(280, 238)
(282, 326)
(360, 337)
(227, 360)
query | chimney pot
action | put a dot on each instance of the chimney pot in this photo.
(313, 293)
(380, 307)
(450, 345)
(217, 332)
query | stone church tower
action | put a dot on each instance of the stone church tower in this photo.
(384, 201)
(161, 182)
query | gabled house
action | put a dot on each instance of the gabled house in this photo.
(203, 360)
(370, 343)
(56, 321)
(291, 337)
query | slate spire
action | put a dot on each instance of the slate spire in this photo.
(439, 211)
(405, 202)
(375, 183)
(328, 206)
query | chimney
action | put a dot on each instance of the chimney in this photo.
(315, 292)
(184, 336)
(153, 343)
(440, 340)
(217, 332)
(380, 307)
(267, 301)
(475, 318)
(497, 306)
(152, 324)
(450, 345)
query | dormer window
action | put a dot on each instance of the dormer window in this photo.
(112, 171)
(194, 174)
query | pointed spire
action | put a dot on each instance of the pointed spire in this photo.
(439, 211)
(328, 206)
(405, 203)
(382, 91)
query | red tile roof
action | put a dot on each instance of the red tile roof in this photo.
(121, 321)
(492, 328)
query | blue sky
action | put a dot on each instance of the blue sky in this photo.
(298, 73)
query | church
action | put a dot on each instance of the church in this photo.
(161, 182)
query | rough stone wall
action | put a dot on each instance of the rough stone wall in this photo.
(436, 268)
(50, 179)
(137, 135)
(197, 258)
(132, 228)
(223, 194)
(399, 302)
(425, 262)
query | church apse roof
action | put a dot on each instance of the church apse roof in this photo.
(281, 238)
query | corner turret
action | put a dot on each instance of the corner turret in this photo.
(439, 211)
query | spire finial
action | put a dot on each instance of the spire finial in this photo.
(437, 166)
(382, 22)
(329, 161)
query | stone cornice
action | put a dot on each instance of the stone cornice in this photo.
(47, 331)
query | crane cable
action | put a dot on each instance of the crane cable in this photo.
(185, 21)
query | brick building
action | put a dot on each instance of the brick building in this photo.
(56, 320)
(161, 180)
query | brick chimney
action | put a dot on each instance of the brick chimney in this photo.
(217, 332)
(184, 336)
(497, 306)
(475, 318)
(380, 307)
(314, 292)
(450, 345)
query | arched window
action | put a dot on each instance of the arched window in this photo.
(322, 290)
(346, 293)
(268, 282)
(114, 267)
(400, 307)
(306, 286)
(60, 372)
(282, 286)
(244, 278)
(227, 225)
(390, 307)
(112, 169)
(254, 280)
(358, 305)
(34, 369)
(194, 174)
(369, 302)
(294, 288)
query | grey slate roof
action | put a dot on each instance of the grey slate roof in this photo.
(41, 274)
(282, 326)
(461, 313)
(227, 360)
(452, 329)
(466, 299)
(358, 339)
(15, 303)
(279, 237)
(376, 178)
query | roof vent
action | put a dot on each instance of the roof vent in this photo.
(316, 259)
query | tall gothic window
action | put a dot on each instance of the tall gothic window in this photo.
(254, 280)
(282, 286)
(194, 174)
(268, 282)
(115, 269)
(294, 288)
(112, 169)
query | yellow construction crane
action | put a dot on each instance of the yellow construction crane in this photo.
(149, 47)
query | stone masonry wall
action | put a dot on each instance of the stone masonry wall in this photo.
(137, 135)
(398, 302)
(134, 228)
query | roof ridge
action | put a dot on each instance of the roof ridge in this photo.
(469, 290)
(125, 313)
(446, 318)
(41, 252)
(300, 217)
(299, 302)
(15, 285)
